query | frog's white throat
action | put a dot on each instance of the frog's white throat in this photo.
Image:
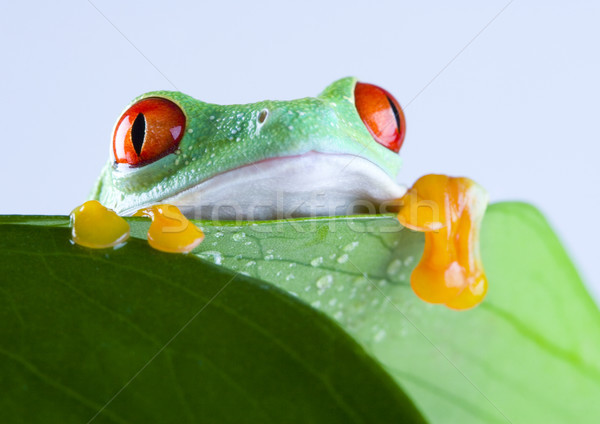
(312, 184)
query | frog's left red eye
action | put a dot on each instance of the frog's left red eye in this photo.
(147, 131)
(381, 114)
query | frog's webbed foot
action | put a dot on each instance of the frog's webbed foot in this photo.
(449, 211)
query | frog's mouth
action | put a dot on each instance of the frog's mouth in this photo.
(307, 185)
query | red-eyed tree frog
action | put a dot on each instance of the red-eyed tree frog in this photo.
(334, 154)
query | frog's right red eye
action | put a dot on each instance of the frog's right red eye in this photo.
(147, 131)
(381, 114)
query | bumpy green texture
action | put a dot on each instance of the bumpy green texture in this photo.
(528, 354)
(219, 138)
(186, 341)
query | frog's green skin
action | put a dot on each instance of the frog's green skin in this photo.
(309, 156)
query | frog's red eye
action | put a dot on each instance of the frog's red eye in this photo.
(147, 131)
(381, 114)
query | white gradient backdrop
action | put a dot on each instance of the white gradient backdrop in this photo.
(518, 109)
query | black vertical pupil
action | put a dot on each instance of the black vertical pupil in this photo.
(138, 133)
(396, 114)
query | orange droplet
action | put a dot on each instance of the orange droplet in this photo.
(170, 230)
(97, 227)
(449, 210)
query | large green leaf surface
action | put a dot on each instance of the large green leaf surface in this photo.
(136, 335)
(529, 353)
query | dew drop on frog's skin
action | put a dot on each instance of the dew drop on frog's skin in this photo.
(449, 211)
(170, 230)
(97, 227)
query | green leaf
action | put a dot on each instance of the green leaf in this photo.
(137, 335)
(529, 353)
(533, 341)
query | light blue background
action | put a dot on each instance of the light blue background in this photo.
(518, 110)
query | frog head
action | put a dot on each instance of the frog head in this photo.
(333, 154)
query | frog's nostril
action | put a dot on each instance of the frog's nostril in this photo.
(262, 116)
